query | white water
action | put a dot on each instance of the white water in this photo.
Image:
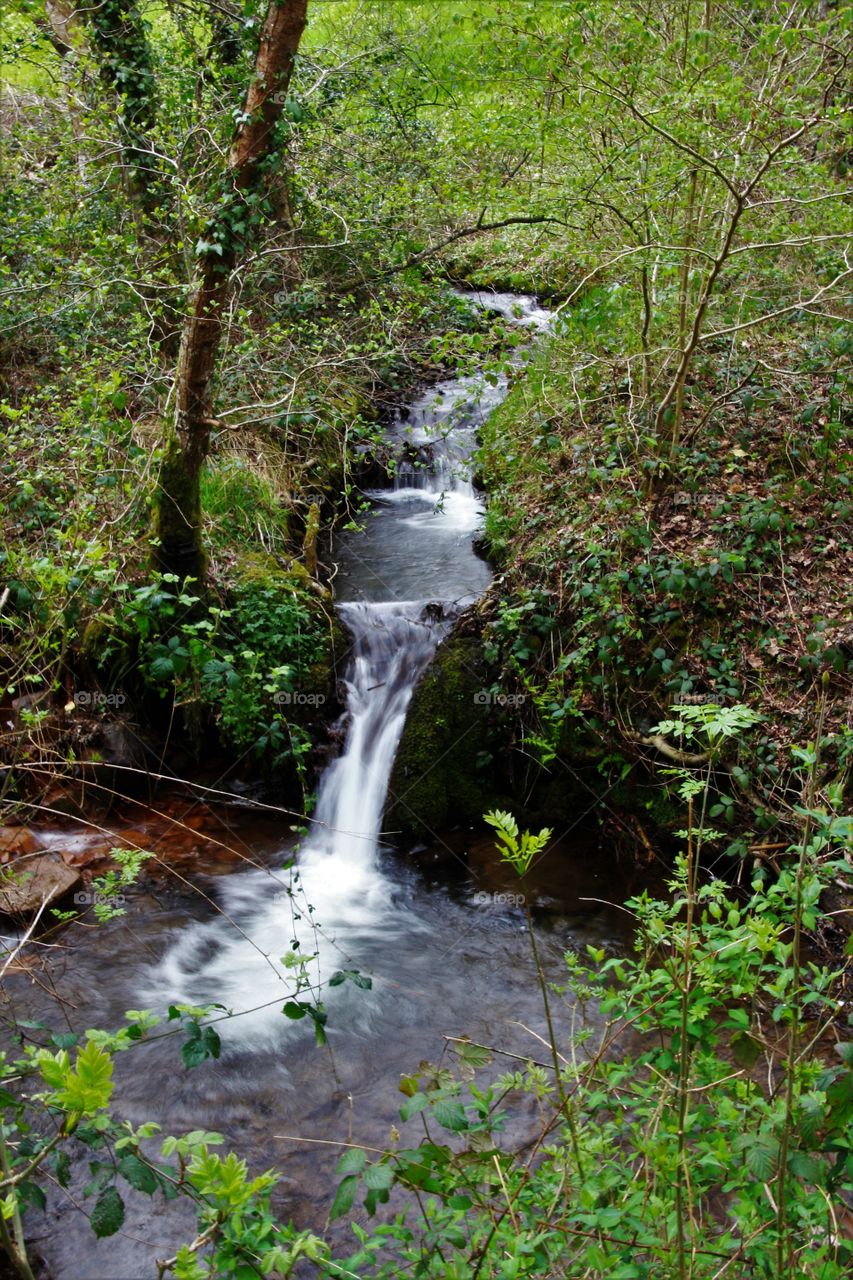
(337, 896)
(406, 576)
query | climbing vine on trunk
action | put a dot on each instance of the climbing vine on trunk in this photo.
(240, 211)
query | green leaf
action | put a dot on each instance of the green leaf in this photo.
(353, 976)
(162, 668)
(344, 1198)
(193, 1054)
(450, 1114)
(138, 1174)
(745, 1050)
(30, 1195)
(62, 1168)
(413, 1105)
(378, 1177)
(807, 1167)
(352, 1161)
(88, 1088)
(108, 1213)
(473, 1055)
(762, 1156)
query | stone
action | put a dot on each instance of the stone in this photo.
(15, 841)
(29, 882)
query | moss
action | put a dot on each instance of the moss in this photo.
(96, 633)
(309, 544)
(436, 779)
(260, 569)
(177, 524)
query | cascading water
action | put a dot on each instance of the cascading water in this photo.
(337, 894)
(402, 581)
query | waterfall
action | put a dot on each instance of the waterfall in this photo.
(403, 580)
(392, 645)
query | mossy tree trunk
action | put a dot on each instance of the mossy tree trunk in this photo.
(126, 66)
(235, 223)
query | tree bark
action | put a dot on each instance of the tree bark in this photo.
(126, 66)
(234, 224)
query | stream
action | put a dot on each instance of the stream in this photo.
(440, 934)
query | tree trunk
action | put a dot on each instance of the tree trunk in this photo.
(126, 66)
(234, 224)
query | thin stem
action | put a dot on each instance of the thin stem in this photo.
(565, 1102)
(784, 1257)
(16, 1250)
(684, 1058)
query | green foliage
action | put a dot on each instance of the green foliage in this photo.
(235, 1220)
(518, 850)
(663, 1129)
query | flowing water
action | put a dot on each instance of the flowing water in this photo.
(401, 582)
(441, 936)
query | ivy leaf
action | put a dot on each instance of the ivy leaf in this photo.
(108, 1213)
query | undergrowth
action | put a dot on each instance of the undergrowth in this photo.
(721, 584)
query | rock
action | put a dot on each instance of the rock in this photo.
(433, 611)
(29, 882)
(116, 762)
(31, 702)
(63, 799)
(435, 780)
(15, 841)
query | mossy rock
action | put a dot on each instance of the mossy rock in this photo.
(260, 569)
(96, 633)
(441, 775)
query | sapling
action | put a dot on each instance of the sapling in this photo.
(519, 850)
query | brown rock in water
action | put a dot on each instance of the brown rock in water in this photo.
(29, 882)
(14, 841)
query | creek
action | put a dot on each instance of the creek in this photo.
(440, 934)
